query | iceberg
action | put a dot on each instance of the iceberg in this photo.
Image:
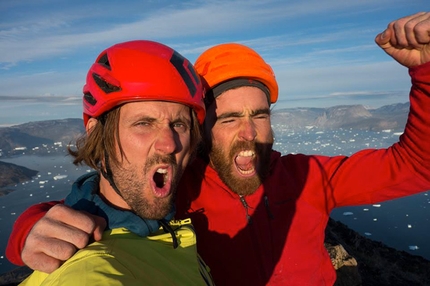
(59, 177)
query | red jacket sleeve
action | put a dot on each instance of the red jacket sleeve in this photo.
(22, 227)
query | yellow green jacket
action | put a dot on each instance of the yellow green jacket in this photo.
(124, 258)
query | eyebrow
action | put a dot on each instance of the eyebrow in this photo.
(141, 118)
(151, 119)
(240, 114)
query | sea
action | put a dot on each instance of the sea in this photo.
(403, 223)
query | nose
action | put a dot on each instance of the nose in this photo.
(166, 142)
(247, 130)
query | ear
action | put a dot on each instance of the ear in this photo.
(90, 124)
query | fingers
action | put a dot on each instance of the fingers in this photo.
(407, 39)
(58, 235)
(43, 262)
(46, 254)
(65, 223)
(404, 31)
(100, 226)
(412, 31)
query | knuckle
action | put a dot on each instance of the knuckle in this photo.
(410, 26)
(66, 252)
(57, 210)
(88, 223)
(32, 242)
(81, 240)
(420, 29)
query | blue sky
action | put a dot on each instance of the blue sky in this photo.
(323, 52)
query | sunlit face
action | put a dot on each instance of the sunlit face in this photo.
(155, 137)
(239, 131)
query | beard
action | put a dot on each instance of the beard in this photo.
(223, 161)
(136, 190)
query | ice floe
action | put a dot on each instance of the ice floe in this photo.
(59, 177)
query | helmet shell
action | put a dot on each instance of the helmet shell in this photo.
(231, 60)
(141, 70)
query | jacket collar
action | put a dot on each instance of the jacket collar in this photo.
(85, 197)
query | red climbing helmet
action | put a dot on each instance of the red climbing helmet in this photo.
(141, 70)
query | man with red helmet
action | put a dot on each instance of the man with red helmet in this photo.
(142, 108)
(260, 216)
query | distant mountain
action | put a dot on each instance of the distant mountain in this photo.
(35, 134)
(343, 116)
(11, 174)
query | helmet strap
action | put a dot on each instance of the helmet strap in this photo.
(107, 174)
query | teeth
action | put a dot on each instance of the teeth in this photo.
(162, 171)
(248, 153)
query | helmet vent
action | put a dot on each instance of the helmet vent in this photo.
(88, 97)
(185, 69)
(104, 85)
(104, 61)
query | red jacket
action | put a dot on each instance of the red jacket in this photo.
(276, 235)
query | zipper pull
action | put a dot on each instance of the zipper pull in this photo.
(245, 205)
(266, 204)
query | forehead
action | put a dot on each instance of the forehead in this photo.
(156, 109)
(240, 99)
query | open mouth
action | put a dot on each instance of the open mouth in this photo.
(160, 177)
(245, 162)
(162, 181)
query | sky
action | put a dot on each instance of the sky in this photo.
(322, 51)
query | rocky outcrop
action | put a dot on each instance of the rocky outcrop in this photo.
(11, 174)
(362, 261)
(14, 277)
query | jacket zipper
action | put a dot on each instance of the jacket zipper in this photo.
(246, 206)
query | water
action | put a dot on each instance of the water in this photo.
(403, 223)
(41, 188)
